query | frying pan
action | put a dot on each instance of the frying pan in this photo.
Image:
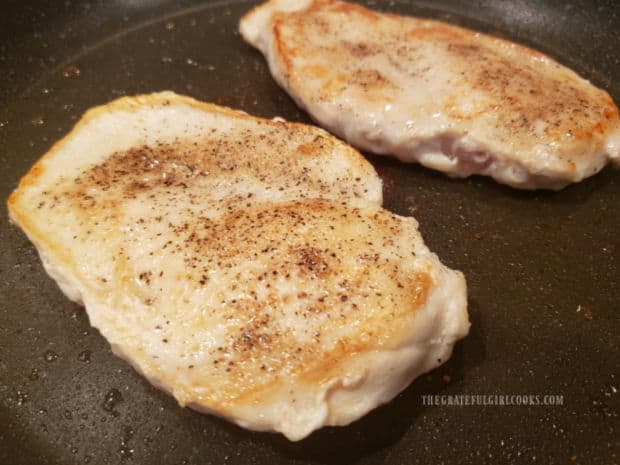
(542, 267)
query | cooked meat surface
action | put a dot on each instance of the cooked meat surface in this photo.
(243, 265)
(452, 99)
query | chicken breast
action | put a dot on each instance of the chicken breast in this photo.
(243, 265)
(452, 99)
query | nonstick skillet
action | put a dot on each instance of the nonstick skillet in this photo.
(543, 268)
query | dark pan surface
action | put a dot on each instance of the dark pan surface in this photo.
(531, 259)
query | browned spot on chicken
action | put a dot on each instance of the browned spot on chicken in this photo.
(234, 261)
(450, 98)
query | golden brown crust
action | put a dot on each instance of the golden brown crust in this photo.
(94, 196)
(130, 103)
(22, 215)
(264, 354)
(522, 98)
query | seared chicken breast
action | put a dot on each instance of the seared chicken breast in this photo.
(452, 99)
(243, 265)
